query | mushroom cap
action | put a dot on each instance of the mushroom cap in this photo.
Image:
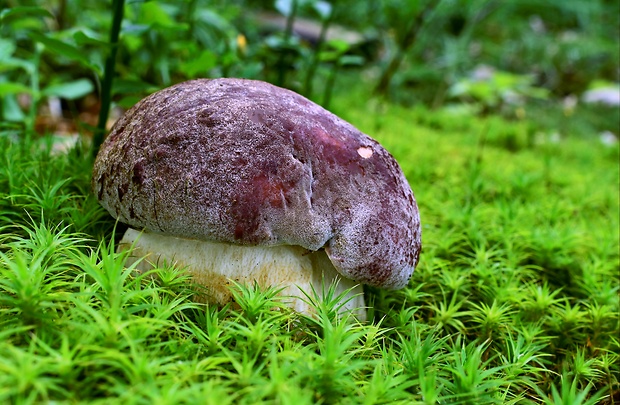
(245, 162)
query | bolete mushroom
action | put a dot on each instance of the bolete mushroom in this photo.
(241, 180)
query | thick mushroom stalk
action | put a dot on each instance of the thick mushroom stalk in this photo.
(251, 167)
(214, 265)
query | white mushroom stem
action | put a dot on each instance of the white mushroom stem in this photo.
(213, 265)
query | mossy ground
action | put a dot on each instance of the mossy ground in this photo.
(515, 299)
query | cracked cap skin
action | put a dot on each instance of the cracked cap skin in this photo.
(248, 163)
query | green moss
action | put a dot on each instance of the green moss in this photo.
(514, 300)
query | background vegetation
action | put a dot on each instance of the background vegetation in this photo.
(483, 103)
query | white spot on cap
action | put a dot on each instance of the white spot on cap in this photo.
(364, 151)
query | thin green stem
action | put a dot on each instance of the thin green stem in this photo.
(35, 89)
(288, 32)
(108, 74)
(404, 46)
(315, 56)
(329, 86)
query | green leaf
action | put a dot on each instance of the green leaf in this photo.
(6, 15)
(329, 56)
(11, 63)
(352, 60)
(339, 45)
(71, 90)
(6, 48)
(210, 19)
(336, 49)
(11, 110)
(126, 86)
(129, 101)
(155, 15)
(64, 49)
(13, 88)
(82, 39)
(201, 65)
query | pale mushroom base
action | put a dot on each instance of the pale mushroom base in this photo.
(213, 265)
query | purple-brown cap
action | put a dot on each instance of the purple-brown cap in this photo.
(248, 163)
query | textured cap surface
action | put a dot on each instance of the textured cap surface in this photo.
(246, 162)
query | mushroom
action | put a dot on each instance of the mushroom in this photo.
(241, 180)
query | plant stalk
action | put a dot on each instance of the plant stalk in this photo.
(404, 46)
(108, 74)
(315, 57)
(329, 86)
(35, 88)
(288, 32)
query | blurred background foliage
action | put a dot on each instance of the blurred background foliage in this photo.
(519, 58)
